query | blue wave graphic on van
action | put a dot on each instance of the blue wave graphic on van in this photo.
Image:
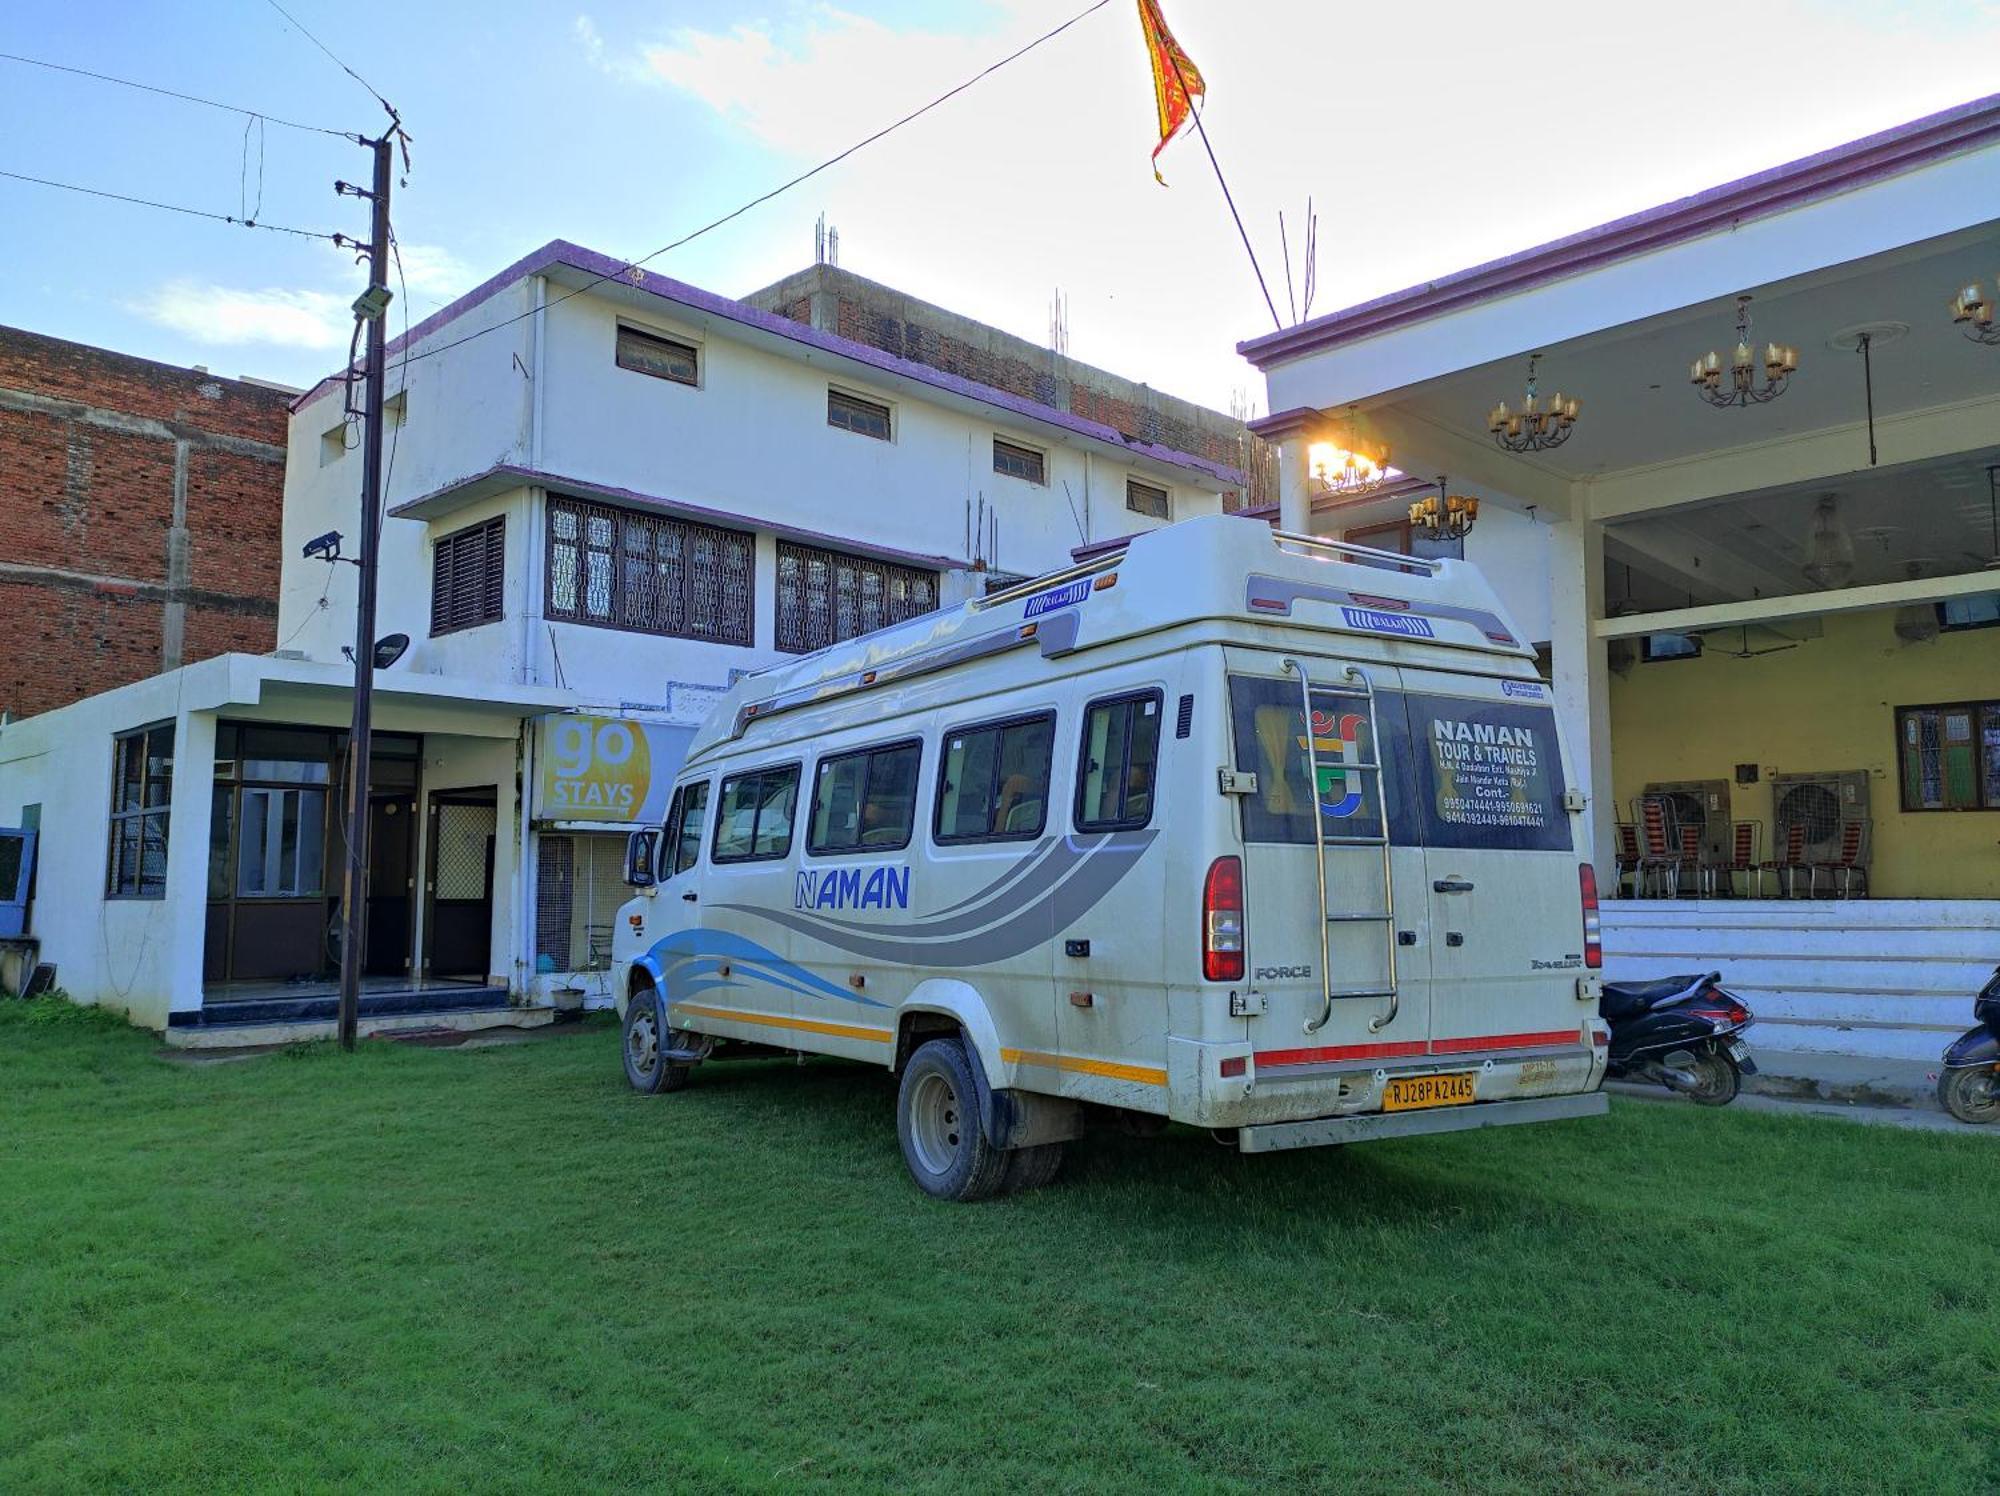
(1063, 882)
(691, 962)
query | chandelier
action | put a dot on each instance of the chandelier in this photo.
(1780, 363)
(1535, 427)
(1444, 516)
(1971, 306)
(1347, 472)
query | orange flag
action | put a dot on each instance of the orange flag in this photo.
(1176, 80)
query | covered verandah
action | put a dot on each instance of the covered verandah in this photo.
(1768, 622)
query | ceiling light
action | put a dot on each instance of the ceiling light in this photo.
(1535, 427)
(1780, 362)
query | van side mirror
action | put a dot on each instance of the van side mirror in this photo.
(642, 858)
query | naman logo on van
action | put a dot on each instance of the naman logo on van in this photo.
(1408, 625)
(1067, 595)
(853, 888)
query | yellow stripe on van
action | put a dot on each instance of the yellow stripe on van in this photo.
(1144, 1075)
(804, 1025)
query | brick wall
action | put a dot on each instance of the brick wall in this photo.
(140, 510)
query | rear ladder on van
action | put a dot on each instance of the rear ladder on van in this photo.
(1358, 688)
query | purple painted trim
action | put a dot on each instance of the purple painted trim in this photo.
(559, 252)
(508, 474)
(1841, 169)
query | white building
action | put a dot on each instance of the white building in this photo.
(608, 492)
(1774, 620)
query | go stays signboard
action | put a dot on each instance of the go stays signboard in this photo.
(615, 770)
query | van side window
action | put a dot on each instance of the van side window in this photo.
(684, 824)
(994, 781)
(755, 823)
(865, 801)
(1119, 763)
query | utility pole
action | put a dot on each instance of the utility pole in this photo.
(372, 306)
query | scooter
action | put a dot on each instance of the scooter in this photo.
(1682, 1032)
(1969, 1088)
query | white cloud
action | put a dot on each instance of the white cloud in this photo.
(432, 270)
(225, 315)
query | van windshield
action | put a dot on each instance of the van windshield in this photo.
(1457, 771)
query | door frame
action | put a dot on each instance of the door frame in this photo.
(485, 796)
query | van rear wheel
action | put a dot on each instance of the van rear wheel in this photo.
(938, 1123)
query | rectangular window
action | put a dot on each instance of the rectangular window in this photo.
(1019, 462)
(282, 844)
(852, 413)
(1958, 613)
(827, 596)
(684, 823)
(468, 577)
(993, 784)
(645, 572)
(142, 784)
(663, 358)
(1949, 755)
(1460, 772)
(1118, 764)
(866, 801)
(755, 823)
(1144, 498)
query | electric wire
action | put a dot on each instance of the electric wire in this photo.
(174, 93)
(146, 202)
(329, 52)
(804, 176)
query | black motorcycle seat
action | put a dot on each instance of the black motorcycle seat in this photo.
(1623, 999)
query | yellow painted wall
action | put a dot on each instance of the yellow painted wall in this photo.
(1829, 704)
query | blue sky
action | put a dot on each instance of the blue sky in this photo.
(1430, 137)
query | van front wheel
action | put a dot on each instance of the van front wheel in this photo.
(938, 1123)
(647, 1037)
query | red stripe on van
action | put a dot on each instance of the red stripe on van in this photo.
(1394, 1051)
(1545, 1039)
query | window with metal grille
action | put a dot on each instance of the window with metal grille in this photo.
(142, 792)
(468, 576)
(852, 413)
(1019, 462)
(579, 886)
(1144, 498)
(1949, 755)
(827, 596)
(646, 572)
(663, 358)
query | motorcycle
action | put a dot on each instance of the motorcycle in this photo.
(1681, 1032)
(1969, 1087)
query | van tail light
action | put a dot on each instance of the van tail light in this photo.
(1222, 921)
(1593, 924)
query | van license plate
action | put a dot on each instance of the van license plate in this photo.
(1409, 1092)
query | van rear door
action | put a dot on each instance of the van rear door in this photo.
(1502, 885)
(1378, 968)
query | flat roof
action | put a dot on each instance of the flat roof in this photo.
(1843, 168)
(560, 254)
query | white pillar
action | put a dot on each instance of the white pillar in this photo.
(1294, 485)
(1582, 683)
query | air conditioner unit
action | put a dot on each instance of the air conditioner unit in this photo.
(1698, 802)
(1822, 802)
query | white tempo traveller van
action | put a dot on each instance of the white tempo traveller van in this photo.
(1252, 831)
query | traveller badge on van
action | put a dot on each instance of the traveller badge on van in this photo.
(1408, 625)
(1057, 597)
(1337, 736)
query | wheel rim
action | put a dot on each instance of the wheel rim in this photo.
(1711, 1074)
(1978, 1094)
(936, 1123)
(642, 1043)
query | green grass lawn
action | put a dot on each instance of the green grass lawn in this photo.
(502, 1270)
